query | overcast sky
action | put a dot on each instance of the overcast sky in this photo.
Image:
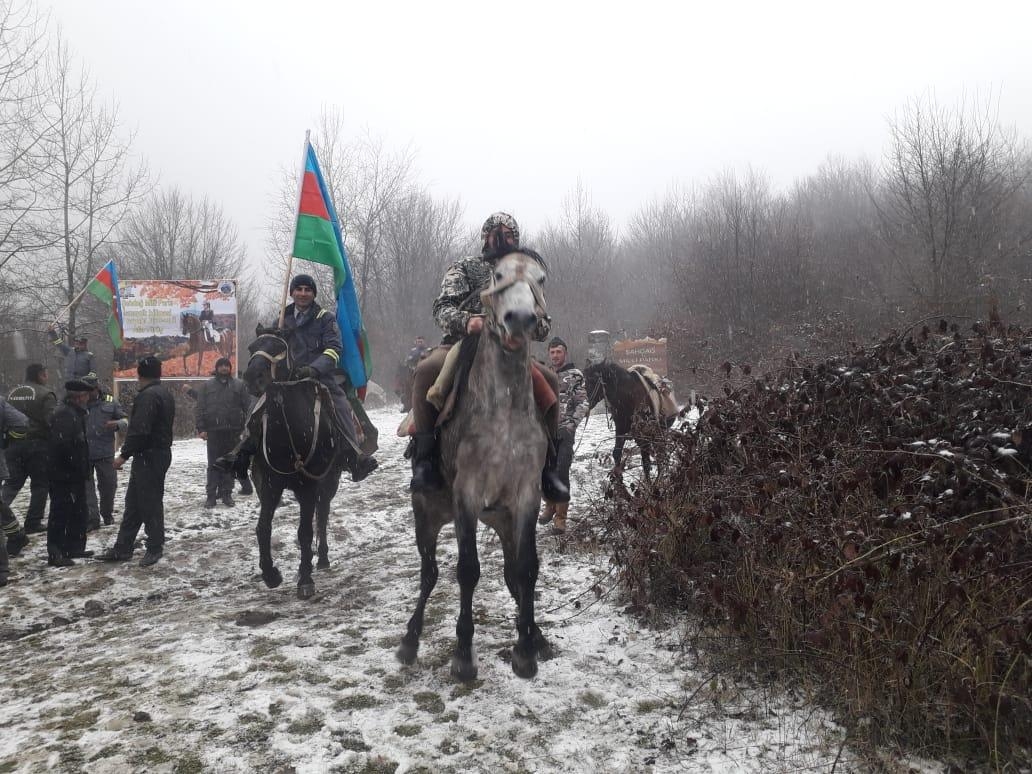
(508, 103)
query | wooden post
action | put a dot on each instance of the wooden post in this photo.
(297, 210)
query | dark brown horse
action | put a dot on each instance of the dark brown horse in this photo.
(297, 452)
(630, 408)
(492, 451)
(193, 329)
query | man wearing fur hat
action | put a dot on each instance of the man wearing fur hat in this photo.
(459, 312)
(222, 407)
(69, 472)
(148, 442)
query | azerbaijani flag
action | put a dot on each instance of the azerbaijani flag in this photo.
(105, 287)
(317, 238)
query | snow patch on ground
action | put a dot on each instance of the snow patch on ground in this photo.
(195, 666)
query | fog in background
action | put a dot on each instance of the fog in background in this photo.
(720, 175)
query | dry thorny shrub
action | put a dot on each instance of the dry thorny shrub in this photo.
(865, 518)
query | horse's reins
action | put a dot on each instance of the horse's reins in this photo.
(300, 465)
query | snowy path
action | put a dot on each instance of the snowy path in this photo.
(193, 665)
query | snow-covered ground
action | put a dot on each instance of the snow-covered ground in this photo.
(193, 665)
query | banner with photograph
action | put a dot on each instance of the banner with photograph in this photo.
(187, 324)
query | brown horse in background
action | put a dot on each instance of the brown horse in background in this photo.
(199, 344)
(630, 408)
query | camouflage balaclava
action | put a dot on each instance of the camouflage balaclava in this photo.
(494, 221)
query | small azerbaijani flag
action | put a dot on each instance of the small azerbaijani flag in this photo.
(317, 238)
(105, 287)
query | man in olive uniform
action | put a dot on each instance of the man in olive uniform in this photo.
(12, 536)
(459, 312)
(78, 359)
(70, 470)
(27, 451)
(222, 407)
(573, 407)
(106, 417)
(149, 442)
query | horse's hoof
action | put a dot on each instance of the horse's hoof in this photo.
(305, 590)
(323, 563)
(523, 664)
(272, 577)
(406, 652)
(463, 669)
(543, 648)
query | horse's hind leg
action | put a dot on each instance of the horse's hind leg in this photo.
(270, 497)
(426, 541)
(305, 583)
(464, 665)
(322, 517)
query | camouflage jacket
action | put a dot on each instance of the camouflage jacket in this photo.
(573, 396)
(459, 298)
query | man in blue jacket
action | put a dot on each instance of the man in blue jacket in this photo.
(315, 343)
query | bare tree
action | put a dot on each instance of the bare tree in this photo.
(581, 250)
(86, 183)
(945, 200)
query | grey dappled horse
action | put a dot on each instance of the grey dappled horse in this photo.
(492, 451)
(297, 451)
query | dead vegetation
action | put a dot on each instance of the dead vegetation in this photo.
(863, 522)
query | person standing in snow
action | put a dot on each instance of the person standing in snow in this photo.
(149, 442)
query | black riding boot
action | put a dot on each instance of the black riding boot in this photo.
(552, 487)
(425, 476)
(238, 459)
(360, 465)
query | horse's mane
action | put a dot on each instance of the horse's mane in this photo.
(497, 255)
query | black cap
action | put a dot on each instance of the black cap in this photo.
(557, 342)
(77, 385)
(304, 279)
(149, 367)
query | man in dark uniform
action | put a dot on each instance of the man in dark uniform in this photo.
(149, 440)
(106, 417)
(70, 470)
(78, 359)
(223, 404)
(315, 343)
(27, 451)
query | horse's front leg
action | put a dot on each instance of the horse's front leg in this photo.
(427, 531)
(270, 497)
(530, 641)
(327, 489)
(463, 665)
(306, 499)
(646, 458)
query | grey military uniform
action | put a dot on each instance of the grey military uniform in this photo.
(573, 397)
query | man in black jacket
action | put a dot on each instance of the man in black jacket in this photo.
(105, 417)
(27, 450)
(149, 440)
(69, 472)
(223, 404)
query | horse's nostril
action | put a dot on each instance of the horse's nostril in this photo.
(519, 320)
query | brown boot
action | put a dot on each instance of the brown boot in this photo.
(559, 525)
(547, 513)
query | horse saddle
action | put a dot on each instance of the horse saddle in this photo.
(661, 397)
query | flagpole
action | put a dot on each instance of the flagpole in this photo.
(293, 233)
(73, 302)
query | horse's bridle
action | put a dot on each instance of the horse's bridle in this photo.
(273, 359)
(487, 297)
